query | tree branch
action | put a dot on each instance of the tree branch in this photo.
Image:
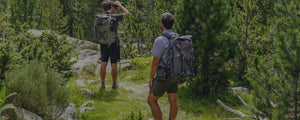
(252, 110)
(258, 115)
(242, 115)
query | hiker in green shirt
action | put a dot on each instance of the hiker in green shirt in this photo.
(112, 51)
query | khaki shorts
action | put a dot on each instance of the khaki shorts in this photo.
(160, 86)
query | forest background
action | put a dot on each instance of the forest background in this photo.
(248, 43)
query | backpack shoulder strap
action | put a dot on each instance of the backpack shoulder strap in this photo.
(169, 36)
(102, 15)
(166, 35)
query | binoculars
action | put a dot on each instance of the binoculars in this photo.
(116, 6)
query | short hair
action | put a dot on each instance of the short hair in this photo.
(107, 4)
(167, 19)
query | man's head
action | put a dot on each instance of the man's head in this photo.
(107, 5)
(167, 20)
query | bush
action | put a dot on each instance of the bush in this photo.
(47, 48)
(37, 88)
(141, 63)
(142, 66)
(6, 55)
(89, 69)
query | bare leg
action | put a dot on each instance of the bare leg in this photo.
(173, 105)
(155, 109)
(103, 71)
(114, 72)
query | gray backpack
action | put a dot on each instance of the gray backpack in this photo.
(180, 56)
(104, 29)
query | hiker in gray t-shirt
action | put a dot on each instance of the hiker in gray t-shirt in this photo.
(160, 84)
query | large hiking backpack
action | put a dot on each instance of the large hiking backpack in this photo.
(104, 29)
(180, 56)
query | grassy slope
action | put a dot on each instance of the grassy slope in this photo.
(131, 96)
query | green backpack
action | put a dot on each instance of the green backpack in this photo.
(104, 29)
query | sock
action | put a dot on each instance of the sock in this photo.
(114, 84)
(103, 84)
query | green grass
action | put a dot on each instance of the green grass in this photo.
(131, 96)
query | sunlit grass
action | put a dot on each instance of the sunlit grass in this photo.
(131, 96)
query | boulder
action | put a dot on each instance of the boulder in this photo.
(70, 113)
(87, 91)
(80, 83)
(89, 54)
(86, 57)
(26, 115)
(91, 81)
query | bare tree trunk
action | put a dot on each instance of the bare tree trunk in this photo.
(257, 115)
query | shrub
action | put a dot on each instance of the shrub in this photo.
(141, 63)
(89, 69)
(6, 56)
(47, 48)
(37, 88)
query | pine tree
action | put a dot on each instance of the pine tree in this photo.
(207, 21)
(8, 56)
(251, 27)
(275, 77)
(53, 16)
(142, 26)
(3, 5)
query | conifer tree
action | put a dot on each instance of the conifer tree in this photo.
(3, 5)
(8, 55)
(142, 26)
(53, 16)
(207, 21)
(275, 77)
(250, 25)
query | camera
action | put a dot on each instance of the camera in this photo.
(116, 6)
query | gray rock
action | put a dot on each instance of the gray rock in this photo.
(70, 113)
(87, 91)
(91, 81)
(82, 44)
(88, 54)
(124, 63)
(26, 115)
(80, 83)
(86, 57)
(73, 59)
(35, 33)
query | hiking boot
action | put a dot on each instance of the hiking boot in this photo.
(114, 86)
(102, 85)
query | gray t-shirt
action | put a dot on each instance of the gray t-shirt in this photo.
(160, 50)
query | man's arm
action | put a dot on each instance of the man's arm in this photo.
(124, 10)
(154, 66)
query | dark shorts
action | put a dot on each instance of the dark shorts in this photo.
(160, 86)
(112, 52)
